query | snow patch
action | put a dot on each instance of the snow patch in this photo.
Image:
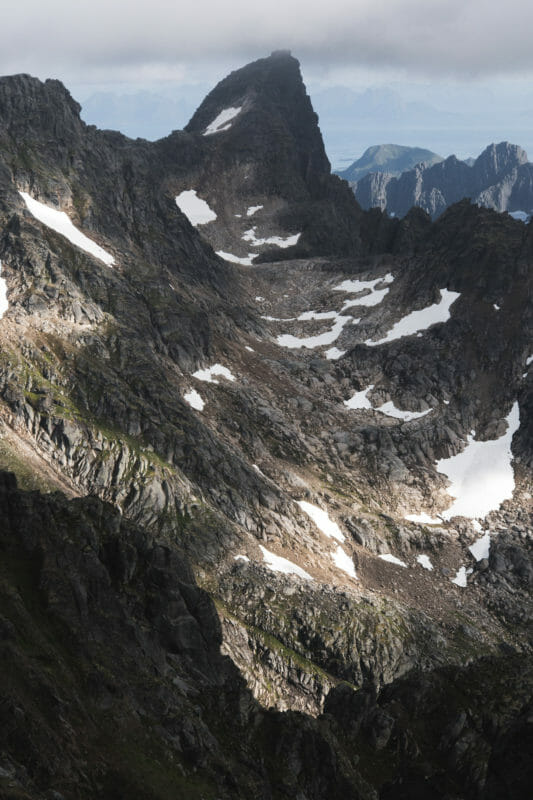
(250, 349)
(343, 561)
(195, 209)
(522, 216)
(359, 286)
(322, 520)
(423, 519)
(279, 241)
(392, 559)
(529, 360)
(420, 320)
(334, 353)
(320, 340)
(216, 369)
(390, 410)
(360, 401)
(424, 561)
(59, 222)
(245, 261)
(194, 400)
(252, 210)
(222, 121)
(279, 564)
(481, 475)
(481, 547)
(460, 577)
(241, 558)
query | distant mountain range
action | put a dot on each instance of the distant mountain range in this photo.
(501, 178)
(390, 158)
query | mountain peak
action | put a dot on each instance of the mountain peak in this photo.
(272, 101)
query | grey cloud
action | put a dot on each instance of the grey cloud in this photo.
(421, 37)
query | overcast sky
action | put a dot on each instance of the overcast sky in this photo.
(165, 39)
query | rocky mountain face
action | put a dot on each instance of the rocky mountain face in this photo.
(390, 158)
(500, 178)
(270, 531)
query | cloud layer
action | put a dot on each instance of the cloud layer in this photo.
(422, 37)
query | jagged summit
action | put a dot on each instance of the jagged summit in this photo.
(275, 111)
(500, 178)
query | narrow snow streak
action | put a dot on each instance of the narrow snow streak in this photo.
(482, 475)
(252, 210)
(390, 410)
(279, 564)
(194, 400)
(320, 340)
(392, 559)
(195, 209)
(343, 561)
(245, 261)
(241, 558)
(4, 303)
(420, 320)
(423, 519)
(59, 222)
(322, 520)
(217, 369)
(222, 121)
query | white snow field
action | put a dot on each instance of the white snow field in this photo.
(4, 304)
(222, 121)
(217, 369)
(279, 564)
(481, 475)
(195, 209)
(322, 520)
(392, 559)
(194, 400)
(59, 222)
(424, 561)
(279, 241)
(421, 320)
(343, 561)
